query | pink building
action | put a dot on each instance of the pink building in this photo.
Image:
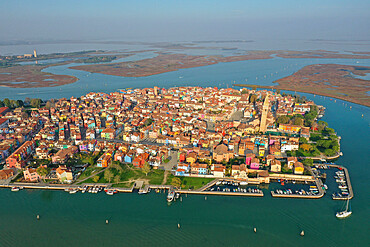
(255, 164)
(31, 175)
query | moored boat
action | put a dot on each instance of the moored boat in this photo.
(14, 189)
(110, 192)
(170, 196)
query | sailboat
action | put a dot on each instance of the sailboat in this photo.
(345, 213)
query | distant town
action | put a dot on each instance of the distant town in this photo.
(189, 138)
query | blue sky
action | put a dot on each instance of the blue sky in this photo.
(177, 20)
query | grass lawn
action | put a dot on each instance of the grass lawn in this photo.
(123, 185)
(89, 171)
(128, 173)
(131, 173)
(190, 183)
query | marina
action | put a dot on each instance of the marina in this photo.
(280, 187)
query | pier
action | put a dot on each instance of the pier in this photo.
(204, 190)
(348, 181)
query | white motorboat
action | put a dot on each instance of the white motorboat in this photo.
(14, 189)
(170, 196)
(244, 183)
(110, 192)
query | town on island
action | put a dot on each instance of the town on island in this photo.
(184, 140)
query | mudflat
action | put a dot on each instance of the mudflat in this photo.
(332, 80)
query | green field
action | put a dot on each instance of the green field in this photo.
(190, 182)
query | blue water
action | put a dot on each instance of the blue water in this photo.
(79, 220)
(147, 220)
(261, 72)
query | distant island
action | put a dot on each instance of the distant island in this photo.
(332, 80)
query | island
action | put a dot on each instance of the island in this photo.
(17, 75)
(189, 140)
(13, 74)
(332, 80)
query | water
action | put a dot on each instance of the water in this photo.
(147, 220)
(261, 72)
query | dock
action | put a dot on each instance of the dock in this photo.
(318, 184)
(348, 181)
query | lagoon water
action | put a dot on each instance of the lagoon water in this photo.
(261, 72)
(147, 220)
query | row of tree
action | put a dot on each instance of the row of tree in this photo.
(20, 103)
(307, 120)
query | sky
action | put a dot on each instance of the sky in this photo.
(184, 20)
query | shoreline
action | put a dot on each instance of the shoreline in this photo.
(301, 91)
(200, 191)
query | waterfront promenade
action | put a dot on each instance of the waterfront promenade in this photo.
(204, 190)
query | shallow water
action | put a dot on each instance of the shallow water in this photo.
(260, 72)
(147, 220)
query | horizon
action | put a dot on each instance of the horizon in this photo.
(176, 21)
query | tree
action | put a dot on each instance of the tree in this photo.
(307, 162)
(48, 105)
(176, 182)
(283, 120)
(117, 179)
(42, 171)
(297, 121)
(302, 140)
(146, 168)
(254, 87)
(244, 91)
(35, 103)
(7, 102)
(306, 147)
(117, 166)
(20, 103)
(252, 98)
(108, 175)
(277, 91)
(321, 125)
(96, 178)
(13, 103)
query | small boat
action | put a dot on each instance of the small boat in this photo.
(302, 233)
(14, 189)
(170, 196)
(72, 191)
(243, 183)
(325, 186)
(218, 183)
(110, 192)
(141, 192)
(345, 213)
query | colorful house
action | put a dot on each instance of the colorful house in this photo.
(64, 174)
(298, 168)
(255, 164)
(275, 166)
(31, 175)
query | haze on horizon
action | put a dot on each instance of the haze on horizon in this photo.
(175, 20)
